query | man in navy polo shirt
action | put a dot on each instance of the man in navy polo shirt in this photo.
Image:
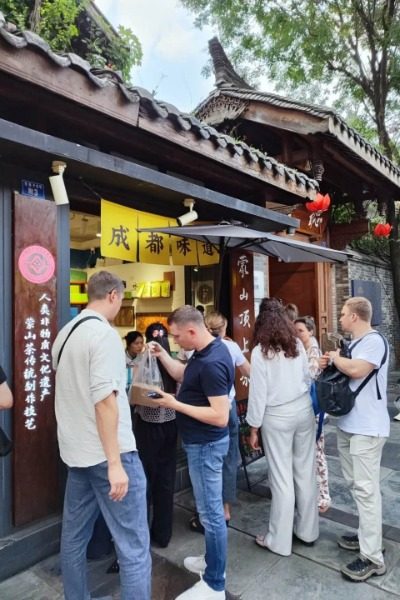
(202, 416)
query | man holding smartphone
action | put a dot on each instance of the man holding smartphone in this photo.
(202, 407)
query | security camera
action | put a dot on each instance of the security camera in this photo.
(57, 183)
(190, 216)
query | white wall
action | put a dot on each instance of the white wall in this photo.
(137, 272)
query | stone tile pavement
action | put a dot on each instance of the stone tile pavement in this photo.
(252, 573)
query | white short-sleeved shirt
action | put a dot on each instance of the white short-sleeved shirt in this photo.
(369, 415)
(237, 360)
(92, 366)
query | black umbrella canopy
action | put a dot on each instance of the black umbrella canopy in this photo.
(226, 235)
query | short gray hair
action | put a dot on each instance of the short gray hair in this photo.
(102, 283)
(186, 314)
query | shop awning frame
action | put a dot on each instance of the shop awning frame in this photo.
(238, 236)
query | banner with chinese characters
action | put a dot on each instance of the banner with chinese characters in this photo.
(242, 294)
(35, 456)
(120, 239)
(153, 247)
(183, 251)
(208, 253)
(118, 231)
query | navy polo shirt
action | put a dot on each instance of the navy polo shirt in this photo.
(209, 372)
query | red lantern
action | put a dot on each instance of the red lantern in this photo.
(320, 204)
(382, 230)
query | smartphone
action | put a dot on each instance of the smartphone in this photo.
(154, 395)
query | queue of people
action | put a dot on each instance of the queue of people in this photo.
(122, 463)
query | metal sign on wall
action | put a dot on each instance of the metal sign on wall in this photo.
(35, 326)
(242, 294)
(372, 291)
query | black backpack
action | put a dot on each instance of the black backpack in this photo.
(333, 390)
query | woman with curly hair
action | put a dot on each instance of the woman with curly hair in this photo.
(280, 405)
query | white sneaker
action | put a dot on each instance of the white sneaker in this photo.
(195, 564)
(396, 417)
(201, 591)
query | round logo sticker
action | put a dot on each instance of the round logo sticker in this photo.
(36, 264)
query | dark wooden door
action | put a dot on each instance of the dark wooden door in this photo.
(305, 284)
(296, 283)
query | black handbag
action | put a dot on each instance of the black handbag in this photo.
(5, 443)
(333, 390)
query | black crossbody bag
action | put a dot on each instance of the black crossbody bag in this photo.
(333, 390)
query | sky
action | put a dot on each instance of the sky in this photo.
(174, 50)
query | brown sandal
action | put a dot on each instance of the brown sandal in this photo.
(195, 524)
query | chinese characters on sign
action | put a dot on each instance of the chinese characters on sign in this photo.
(119, 236)
(120, 239)
(242, 290)
(37, 370)
(36, 467)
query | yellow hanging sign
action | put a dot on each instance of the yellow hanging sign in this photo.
(208, 253)
(118, 231)
(183, 251)
(153, 247)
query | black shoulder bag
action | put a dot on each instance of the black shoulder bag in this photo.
(69, 335)
(333, 390)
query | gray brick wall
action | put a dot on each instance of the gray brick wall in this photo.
(368, 268)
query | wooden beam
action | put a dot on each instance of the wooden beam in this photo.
(351, 165)
(91, 161)
(39, 70)
(295, 121)
(235, 162)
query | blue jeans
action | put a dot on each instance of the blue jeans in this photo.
(229, 471)
(86, 495)
(205, 463)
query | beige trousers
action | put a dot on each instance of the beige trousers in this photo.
(360, 457)
(288, 434)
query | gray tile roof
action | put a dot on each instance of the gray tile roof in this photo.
(230, 85)
(103, 78)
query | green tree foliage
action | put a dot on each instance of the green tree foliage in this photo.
(341, 52)
(57, 22)
(350, 47)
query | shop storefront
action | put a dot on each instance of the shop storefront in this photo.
(140, 155)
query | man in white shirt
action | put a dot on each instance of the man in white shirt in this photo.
(362, 434)
(97, 444)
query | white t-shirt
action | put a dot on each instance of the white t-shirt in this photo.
(369, 415)
(237, 360)
(274, 381)
(92, 366)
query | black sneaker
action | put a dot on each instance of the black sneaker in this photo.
(362, 569)
(349, 542)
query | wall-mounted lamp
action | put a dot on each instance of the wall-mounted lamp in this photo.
(190, 216)
(57, 182)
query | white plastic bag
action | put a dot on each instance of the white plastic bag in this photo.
(147, 378)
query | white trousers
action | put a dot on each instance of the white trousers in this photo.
(288, 434)
(360, 458)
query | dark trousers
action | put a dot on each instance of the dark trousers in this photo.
(156, 443)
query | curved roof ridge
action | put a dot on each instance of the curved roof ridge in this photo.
(224, 71)
(322, 112)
